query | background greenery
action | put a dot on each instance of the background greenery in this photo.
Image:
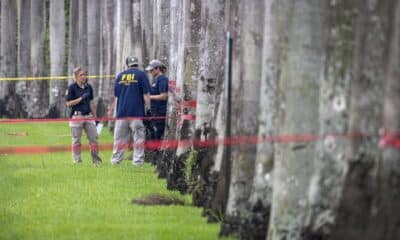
(48, 197)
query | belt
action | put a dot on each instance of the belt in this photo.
(79, 113)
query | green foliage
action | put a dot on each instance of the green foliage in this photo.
(190, 167)
(216, 216)
(47, 197)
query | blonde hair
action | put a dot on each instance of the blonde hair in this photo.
(77, 70)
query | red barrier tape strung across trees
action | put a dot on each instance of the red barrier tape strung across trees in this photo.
(102, 119)
(385, 141)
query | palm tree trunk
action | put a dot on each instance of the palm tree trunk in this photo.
(163, 165)
(83, 35)
(210, 105)
(93, 38)
(303, 41)
(245, 90)
(119, 35)
(260, 200)
(73, 41)
(8, 57)
(359, 208)
(57, 58)
(38, 106)
(0, 25)
(389, 197)
(187, 82)
(24, 56)
(328, 177)
(129, 33)
(146, 15)
(161, 29)
(108, 52)
(136, 31)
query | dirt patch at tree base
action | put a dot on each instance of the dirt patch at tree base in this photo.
(158, 199)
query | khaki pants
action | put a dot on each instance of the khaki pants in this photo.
(91, 133)
(123, 129)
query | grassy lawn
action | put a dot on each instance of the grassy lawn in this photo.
(47, 197)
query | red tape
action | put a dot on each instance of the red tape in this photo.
(189, 104)
(103, 119)
(390, 140)
(173, 144)
(189, 117)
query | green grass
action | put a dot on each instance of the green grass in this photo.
(47, 197)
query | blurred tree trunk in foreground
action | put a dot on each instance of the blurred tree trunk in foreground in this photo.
(389, 196)
(371, 184)
(301, 67)
(329, 166)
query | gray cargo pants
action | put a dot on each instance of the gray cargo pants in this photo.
(91, 133)
(123, 128)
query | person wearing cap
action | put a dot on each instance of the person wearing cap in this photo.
(158, 95)
(79, 98)
(131, 91)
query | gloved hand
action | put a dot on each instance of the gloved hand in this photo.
(85, 96)
(97, 122)
(149, 113)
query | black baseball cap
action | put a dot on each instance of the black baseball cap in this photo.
(131, 61)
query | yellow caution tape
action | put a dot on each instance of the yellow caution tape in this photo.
(51, 78)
